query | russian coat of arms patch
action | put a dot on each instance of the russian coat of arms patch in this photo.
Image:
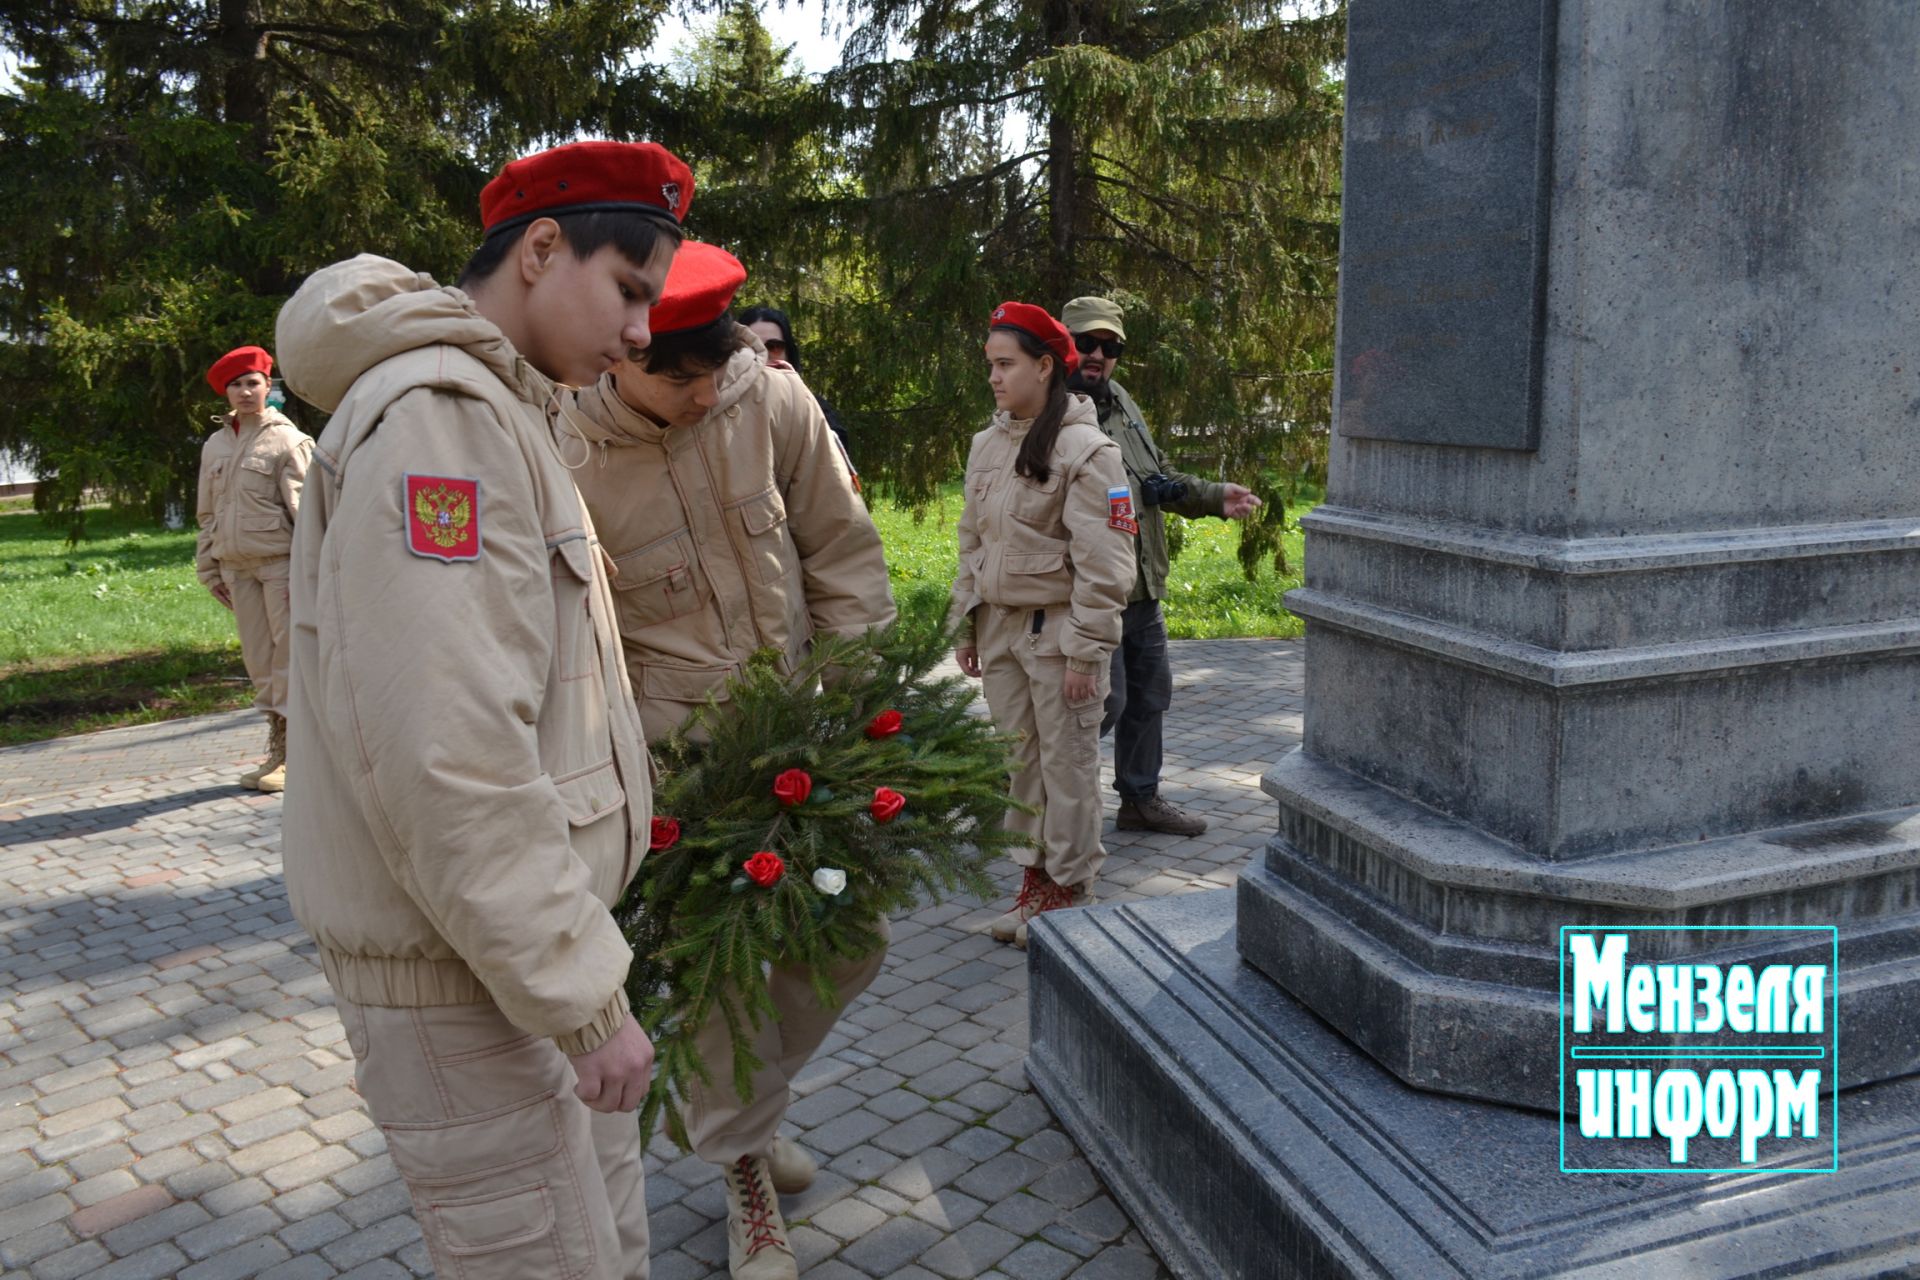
(443, 517)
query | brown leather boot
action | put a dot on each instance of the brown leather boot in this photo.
(1155, 814)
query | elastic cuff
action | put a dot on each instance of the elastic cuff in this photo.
(1084, 667)
(596, 1033)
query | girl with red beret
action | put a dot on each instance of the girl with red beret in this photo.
(1046, 562)
(252, 469)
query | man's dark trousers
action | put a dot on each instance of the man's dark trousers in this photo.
(1142, 690)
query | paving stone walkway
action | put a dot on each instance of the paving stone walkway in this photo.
(176, 1094)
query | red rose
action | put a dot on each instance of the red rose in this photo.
(884, 725)
(887, 804)
(666, 834)
(792, 787)
(764, 867)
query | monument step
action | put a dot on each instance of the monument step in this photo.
(1252, 1142)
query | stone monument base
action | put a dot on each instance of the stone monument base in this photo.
(1251, 1141)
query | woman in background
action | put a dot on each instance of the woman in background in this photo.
(770, 325)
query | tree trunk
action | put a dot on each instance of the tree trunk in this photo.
(1060, 24)
(243, 48)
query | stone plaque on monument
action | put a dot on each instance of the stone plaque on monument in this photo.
(1441, 288)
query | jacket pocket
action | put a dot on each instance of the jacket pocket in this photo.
(669, 695)
(657, 583)
(591, 794)
(763, 517)
(261, 524)
(686, 684)
(256, 474)
(574, 649)
(1033, 579)
(1036, 502)
(499, 1195)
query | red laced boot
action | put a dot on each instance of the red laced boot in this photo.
(1025, 904)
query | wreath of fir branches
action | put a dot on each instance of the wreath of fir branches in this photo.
(905, 796)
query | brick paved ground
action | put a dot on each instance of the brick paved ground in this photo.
(176, 1096)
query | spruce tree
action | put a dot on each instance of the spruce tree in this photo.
(169, 171)
(1180, 158)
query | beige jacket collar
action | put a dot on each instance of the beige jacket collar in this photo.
(617, 423)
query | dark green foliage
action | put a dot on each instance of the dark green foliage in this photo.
(702, 933)
(1183, 159)
(170, 171)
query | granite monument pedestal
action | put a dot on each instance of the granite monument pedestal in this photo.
(1613, 618)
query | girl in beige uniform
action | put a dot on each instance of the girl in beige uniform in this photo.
(1046, 561)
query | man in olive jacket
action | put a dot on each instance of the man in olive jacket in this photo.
(1142, 677)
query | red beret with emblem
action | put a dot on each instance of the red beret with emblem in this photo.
(236, 362)
(699, 288)
(1033, 320)
(585, 177)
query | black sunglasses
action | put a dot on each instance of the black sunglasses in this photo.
(1110, 347)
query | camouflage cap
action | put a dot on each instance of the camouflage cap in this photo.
(1083, 315)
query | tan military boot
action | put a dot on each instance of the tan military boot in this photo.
(757, 1247)
(1056, 897)
(791, 1168)
(273, 774)
(251, 778)
(1024, 905)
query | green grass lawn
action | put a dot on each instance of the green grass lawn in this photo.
(117, 630)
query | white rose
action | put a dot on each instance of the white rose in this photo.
(830, 880)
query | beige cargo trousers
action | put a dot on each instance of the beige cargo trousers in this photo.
(721, 1126)
(512, 1176)
(258, 590)
(1058, 762)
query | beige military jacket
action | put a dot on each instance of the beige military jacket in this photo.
(249, 493)
(470, 790)
(742, 532)
(1063, 542)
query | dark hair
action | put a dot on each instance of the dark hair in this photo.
(635, 235)
(1038, 446)
(696, 350)
(775, 316)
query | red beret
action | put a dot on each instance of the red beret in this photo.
(699, 289)
(583, 177)
(236, 362)
(1033, 320)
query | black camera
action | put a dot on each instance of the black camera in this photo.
(1159, 489)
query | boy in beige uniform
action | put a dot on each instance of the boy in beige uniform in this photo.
(471, 790)
(251, 471)
(733, 524)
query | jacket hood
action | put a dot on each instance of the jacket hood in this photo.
(603, 418)
(1080, 411)
(350, 316)
(271, 417)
